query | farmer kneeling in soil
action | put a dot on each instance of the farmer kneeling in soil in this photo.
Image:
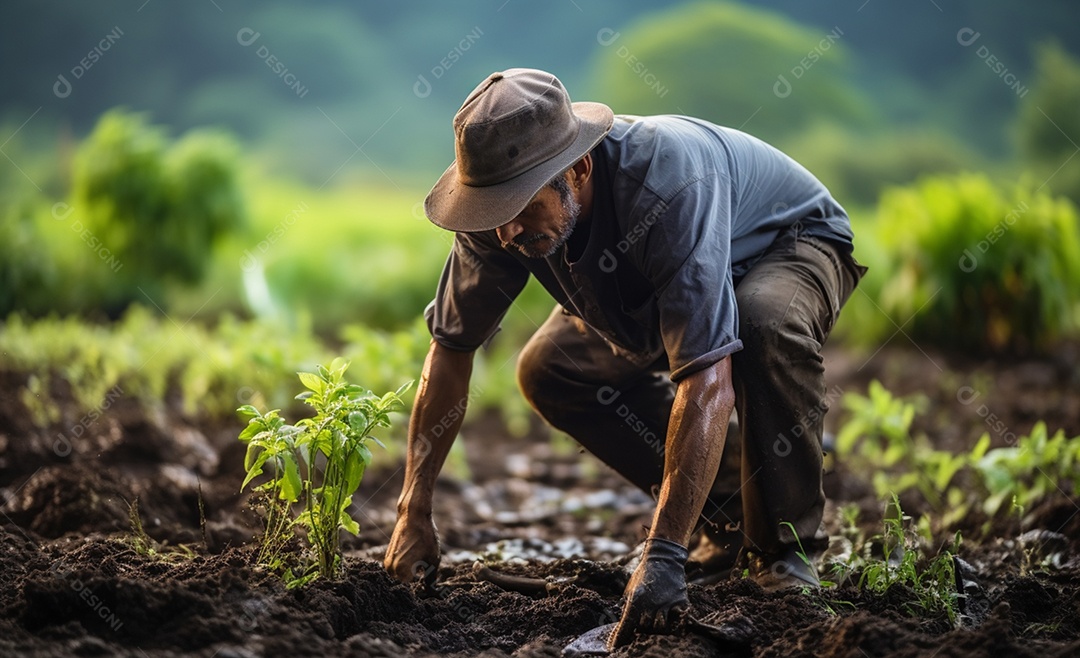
(696, 269)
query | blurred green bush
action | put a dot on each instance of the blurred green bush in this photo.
(143, 213)
(966, 265)
(158, 207)
(739, 66)
(857, 168)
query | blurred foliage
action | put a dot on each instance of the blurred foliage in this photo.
(143, 214)
(1049, 123)
(857, 168)
(51, 262)
(1023, 475)
(204, 372)
(359, 62)
(28, 270)
(875, 438)
(312, 222)
(159, 207)
(152, 360)
(962, 264)
(751, 69)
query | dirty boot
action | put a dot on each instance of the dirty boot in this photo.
(714, 556)
(784, 570)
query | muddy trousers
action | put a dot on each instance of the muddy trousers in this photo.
(771, 473)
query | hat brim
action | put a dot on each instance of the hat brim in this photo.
(456, 206)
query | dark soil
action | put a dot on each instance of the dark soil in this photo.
(77, 581)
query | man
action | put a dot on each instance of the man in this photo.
(695, 269)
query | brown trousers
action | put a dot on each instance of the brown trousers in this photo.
(771, 473)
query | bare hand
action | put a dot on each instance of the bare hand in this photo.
(414, 549)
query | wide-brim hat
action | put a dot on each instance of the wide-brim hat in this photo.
(513, 134)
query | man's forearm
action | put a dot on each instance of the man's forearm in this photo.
(436, 418)
(695, 441)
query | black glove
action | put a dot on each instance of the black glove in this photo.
(656, 593)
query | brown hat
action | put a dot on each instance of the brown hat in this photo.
(512, 135)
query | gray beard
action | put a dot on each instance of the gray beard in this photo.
(571, 210)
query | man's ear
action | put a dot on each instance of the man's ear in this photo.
(581, 172)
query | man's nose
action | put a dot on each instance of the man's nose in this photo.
(508, 231)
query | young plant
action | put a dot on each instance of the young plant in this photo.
(828, 604)
(846, 561)
(318, 463)
(934, 587)
(1039, 465)
(877, 439)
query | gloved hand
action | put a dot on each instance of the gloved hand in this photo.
(656, 593)
(414, 550)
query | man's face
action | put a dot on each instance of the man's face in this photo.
(544, 225)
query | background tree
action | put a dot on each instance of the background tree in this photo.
(751, 69)
(1049, 123)
(158, 207)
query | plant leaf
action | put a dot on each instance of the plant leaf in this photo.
(248, 411)
(339, 365)
(290, 480)
(358, 421)
(354, 472)
(348, 523)
(256, 468)
(254, 426)
(311, 381)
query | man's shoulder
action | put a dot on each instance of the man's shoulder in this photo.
(662, 154)
(631, 132)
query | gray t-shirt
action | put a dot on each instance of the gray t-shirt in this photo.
(682, 209)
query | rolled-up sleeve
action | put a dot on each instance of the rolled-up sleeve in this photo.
(688, 259)
(478, 284)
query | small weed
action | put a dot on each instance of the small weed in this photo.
(934, 587)
(801, 553)
(828, 604)
(145, 545)
(1041, 629)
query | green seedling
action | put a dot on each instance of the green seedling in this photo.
(877, 438)
(828, 604)
(842, 569)
(1037, 466)
(801, 553)
(317, 463)
(933, 588)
